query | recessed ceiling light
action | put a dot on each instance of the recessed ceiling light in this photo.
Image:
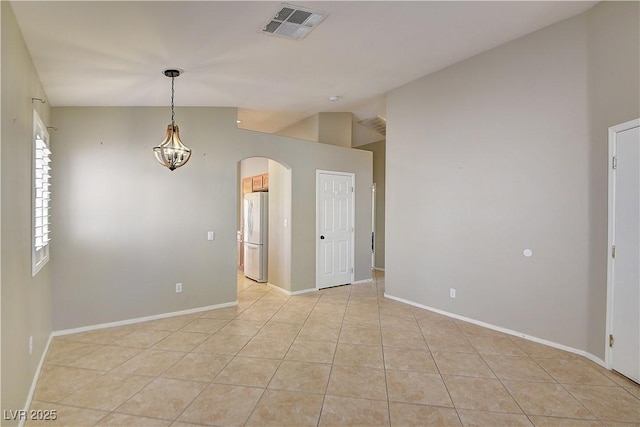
(238, 121)
(334, 98)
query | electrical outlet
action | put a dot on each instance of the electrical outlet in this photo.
(452, 293)
(31, 344)
(211, 235)
(178, 288)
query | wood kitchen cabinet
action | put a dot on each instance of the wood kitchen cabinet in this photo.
(255, 183)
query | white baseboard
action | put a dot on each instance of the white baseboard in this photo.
(504, 330)
(357, 282)
(303, 291)
(289, 293)
(593, 358)
(142, 319)
(36, 376)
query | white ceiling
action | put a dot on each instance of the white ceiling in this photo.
(112, 53)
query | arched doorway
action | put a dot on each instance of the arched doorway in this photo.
(269, 176)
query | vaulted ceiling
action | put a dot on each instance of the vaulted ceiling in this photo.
(112, 53)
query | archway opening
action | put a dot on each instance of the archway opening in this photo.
(264, 256)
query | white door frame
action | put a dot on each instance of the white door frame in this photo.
(373, 226)
(351, 219)
(613, 132)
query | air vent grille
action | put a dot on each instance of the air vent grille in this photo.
(378, 124)
(293, 22)
(272, 26)
(298, 17)
(283, 14)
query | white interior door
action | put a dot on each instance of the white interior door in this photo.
(334, 255)
(624, 263)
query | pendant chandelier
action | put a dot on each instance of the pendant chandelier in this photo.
(172, 153)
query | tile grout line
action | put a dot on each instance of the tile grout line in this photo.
(264, 390)
(335, 350)
(564, 388)
(357, 299)
(384, 365)
(555, 381)
(455, 408)
(114, 411)
(283, 357)
(506, 389)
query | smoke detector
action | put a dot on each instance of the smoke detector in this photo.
(293, 22)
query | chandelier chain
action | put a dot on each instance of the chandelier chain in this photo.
(173, 124)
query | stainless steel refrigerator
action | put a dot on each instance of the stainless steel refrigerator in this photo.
(255, 233)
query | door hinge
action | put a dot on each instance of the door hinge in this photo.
(613, 251)
(610, 340)
(352, 189)
(352, 270)
(614, 163)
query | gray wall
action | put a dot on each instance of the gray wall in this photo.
(327, 128)
(507, 151)
(306, 129)
(379, 155)
(253, 166)
(613, 31)
(26, 300)
(121, 219)
(335, 128)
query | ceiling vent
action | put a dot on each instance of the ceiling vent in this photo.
(293, 22)
(378, 124)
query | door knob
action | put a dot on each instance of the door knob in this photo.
(322, 237)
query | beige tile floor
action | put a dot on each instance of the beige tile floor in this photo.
(342, 356)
